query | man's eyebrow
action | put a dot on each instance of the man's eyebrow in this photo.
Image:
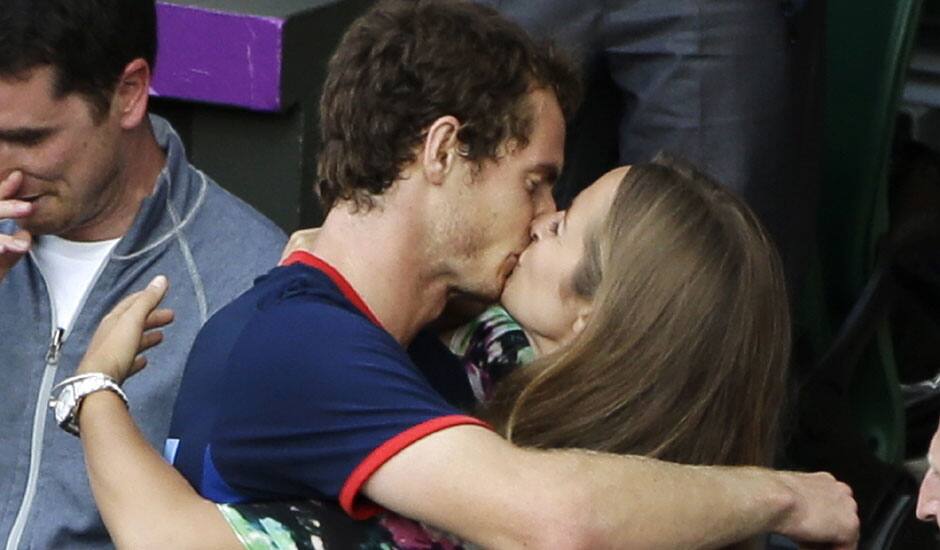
(547, 170)
(25, 135)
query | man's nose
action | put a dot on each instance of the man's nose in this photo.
(928, 501)
(6, 160)
(544, 201)
(10, 160)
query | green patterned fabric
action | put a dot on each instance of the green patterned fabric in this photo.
(490, 347)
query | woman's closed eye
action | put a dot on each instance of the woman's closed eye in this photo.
(557, 225)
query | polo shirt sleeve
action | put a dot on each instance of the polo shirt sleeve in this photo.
(316, 400)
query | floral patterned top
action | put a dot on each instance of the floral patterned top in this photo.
(489, 347)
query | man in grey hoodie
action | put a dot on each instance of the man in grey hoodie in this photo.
(96, 197)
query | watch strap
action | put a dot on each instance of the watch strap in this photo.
(71, 391)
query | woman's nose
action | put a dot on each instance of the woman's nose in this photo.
(541, 225)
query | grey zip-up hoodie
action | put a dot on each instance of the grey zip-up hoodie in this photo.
(211, 245)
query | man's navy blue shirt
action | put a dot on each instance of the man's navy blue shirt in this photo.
(295, 390)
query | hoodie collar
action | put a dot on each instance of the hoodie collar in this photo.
(177, 195)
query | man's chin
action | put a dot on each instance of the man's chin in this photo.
(490, 295)
(38, 226)
(486, 293)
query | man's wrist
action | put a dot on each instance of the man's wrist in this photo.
(767, 497)
(781, 498)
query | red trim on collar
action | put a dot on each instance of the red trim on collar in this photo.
(309, 260)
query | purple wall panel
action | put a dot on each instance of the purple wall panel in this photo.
(218, 57)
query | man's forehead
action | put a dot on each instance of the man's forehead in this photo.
(544, 148)
(38, 78)
(933, 452)
(935, 444)
(543, 154)
(33, 87)
(536, 158)
(28, 101)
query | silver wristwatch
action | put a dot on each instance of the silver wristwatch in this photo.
(73, 390)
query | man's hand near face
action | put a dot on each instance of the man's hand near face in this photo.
(13, 247)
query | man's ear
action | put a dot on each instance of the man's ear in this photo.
(440, 149)
(132, 94)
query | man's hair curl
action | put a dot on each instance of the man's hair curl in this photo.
(406, 63)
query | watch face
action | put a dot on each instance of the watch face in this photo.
(64, 403)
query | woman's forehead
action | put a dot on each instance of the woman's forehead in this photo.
(597, 197)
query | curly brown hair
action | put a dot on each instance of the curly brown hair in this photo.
(406, 63)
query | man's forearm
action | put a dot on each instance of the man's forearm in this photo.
(580, 499)
(637, 502)
(643, 503)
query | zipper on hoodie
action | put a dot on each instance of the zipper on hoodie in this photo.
(55, 346)
(53, 352)
(39, 429)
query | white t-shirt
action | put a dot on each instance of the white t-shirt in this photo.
(69, 268)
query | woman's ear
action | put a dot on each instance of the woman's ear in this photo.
(440, 149)
(584, 313)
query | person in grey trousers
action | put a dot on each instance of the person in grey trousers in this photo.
(96, 197)
(731, 85)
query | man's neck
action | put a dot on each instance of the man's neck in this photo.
(382, 254)
(135, 181)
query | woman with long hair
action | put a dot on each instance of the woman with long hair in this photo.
(655, 308)
(685, 353)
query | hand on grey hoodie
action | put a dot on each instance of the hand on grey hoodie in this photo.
(126, 332)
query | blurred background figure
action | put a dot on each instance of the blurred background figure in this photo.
(729, 84)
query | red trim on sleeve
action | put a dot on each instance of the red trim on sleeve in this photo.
(366, 509)
(309, 260)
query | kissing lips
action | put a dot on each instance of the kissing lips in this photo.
(510, 264)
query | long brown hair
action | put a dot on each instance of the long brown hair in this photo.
(685, 353)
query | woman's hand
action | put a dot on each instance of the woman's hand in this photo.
(144, 501)
(126, 332)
